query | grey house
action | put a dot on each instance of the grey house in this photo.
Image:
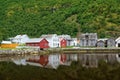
(88, 39)
(100, 43)
(111, 42)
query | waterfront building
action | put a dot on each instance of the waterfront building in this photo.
(38, 43)
(117, 42)
(52, 39)
(20, 39)
(88, 39)
(110, 42)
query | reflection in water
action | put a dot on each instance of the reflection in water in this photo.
(54, 60)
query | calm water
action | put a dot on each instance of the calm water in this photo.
(54, 60)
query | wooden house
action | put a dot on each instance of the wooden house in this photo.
(67, 38)
(52, 39)
(88, 39)
(117, 42)
(110, 42)
(38, 42)
(63, 43)
(20, 39)
(100, 43)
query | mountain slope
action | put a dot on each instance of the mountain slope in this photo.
(36, 17)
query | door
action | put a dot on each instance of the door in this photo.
(118, 44)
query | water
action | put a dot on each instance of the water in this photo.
(54, 60)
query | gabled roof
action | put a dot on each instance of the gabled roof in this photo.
(65, 36)
(48, 35)
(34, 40)
(117, 39)
(21, 36)
(103, 39)
(6, 42)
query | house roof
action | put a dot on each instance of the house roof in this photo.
(21, 36)
(48, 35)
(117, 39)
(104, 39)
(6, 42)
(34, 40)
(65, 36)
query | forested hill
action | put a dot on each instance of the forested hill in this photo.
(36, 17)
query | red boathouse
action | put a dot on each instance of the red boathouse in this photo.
(38, 42)
(63, 43)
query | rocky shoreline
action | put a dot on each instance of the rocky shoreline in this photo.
(11, 52)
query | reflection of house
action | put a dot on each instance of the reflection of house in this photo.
(63, 58)
(41, 60)
(38, 42)
(44, 60)
(20, 62)
(54, 61)
(118, 57)
(88, 60)
(88, 39)
(52, 39)
(117, 42)
(73, 57)
(20, 39)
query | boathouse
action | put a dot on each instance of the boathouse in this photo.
(110, 42)
(117, 42)
(100, 43)
(20, 39)
(63, 43)
(52, 39)
(88, 39)
(38, 43)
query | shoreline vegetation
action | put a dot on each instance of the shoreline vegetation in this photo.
(29, 51)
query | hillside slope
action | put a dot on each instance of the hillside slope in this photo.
(36, 17)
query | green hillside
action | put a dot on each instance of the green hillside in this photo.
(36, 17)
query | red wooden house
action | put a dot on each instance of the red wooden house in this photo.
(38, 42)
(63, 43)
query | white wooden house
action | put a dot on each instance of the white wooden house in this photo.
(73, 42)
(52, 39)
(20, 39)
(117, 42)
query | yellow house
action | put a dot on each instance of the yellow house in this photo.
(8, 44)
